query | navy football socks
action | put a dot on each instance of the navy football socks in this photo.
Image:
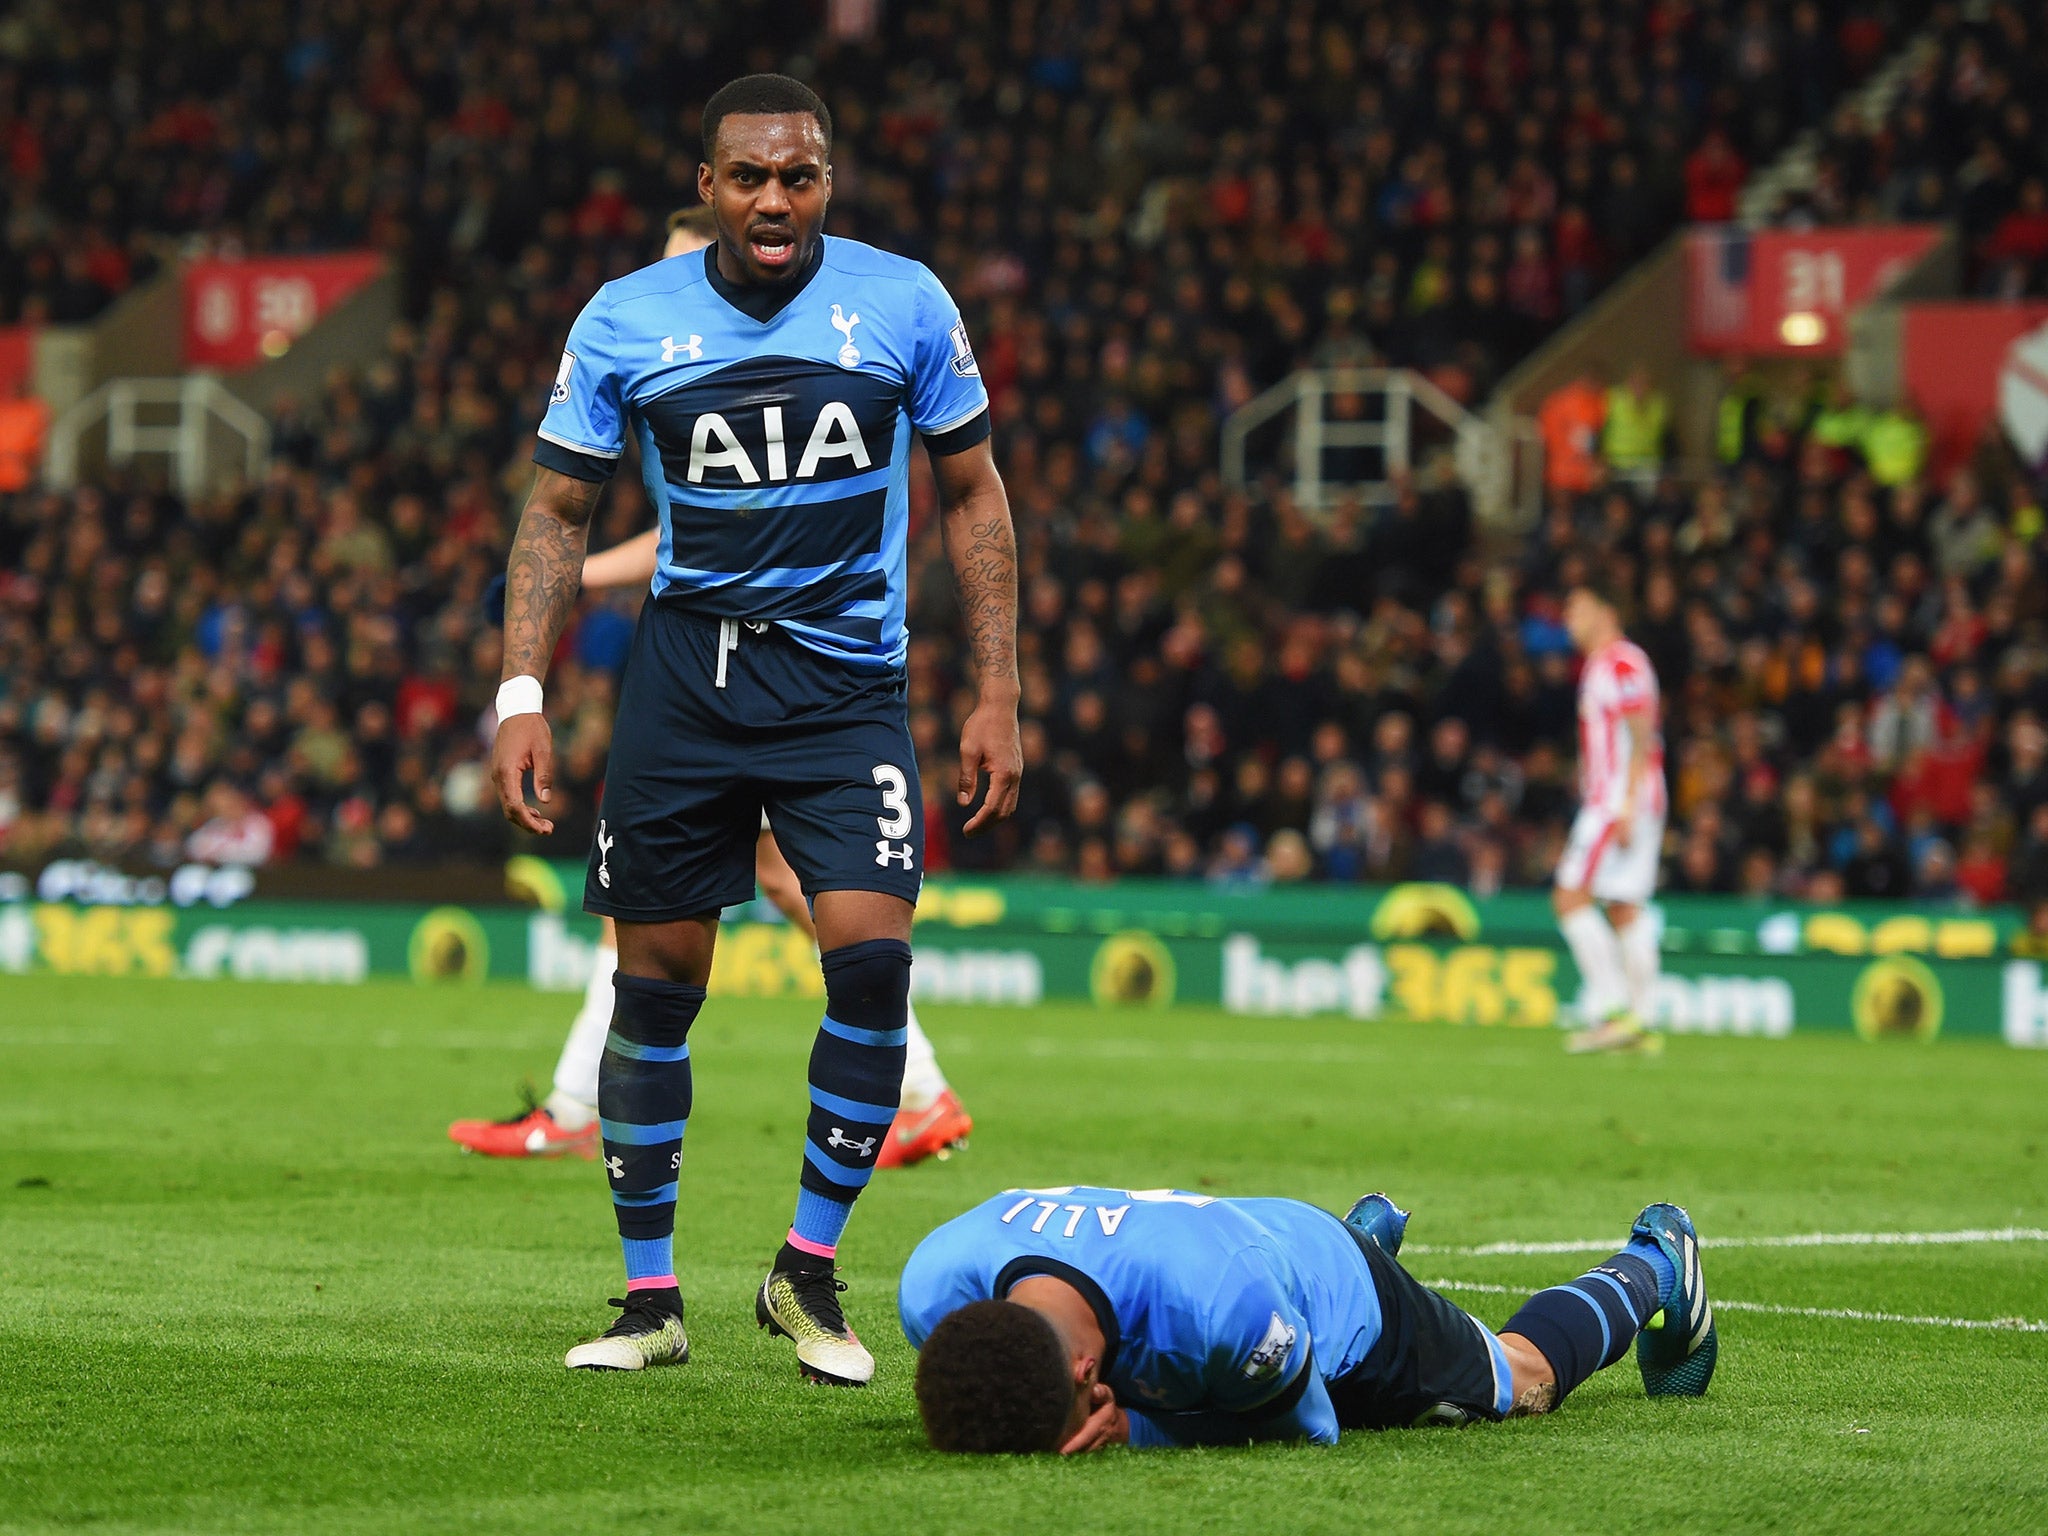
(1589, 1324)
(856, 1082)
(643, 1107)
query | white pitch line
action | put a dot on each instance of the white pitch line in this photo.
(1851, 1314)
(1796, 1240)
(1847, 1314)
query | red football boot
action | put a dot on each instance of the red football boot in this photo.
(532, 1132)
(933, 1131)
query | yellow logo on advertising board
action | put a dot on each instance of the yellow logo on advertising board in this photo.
(1421, 910)
(961, 906)
(1952, 938)
(765, 960)
(1897, 996)
(535, 880)
(448, 944)
(1132, 968)
(106, 941)
(1473, 984)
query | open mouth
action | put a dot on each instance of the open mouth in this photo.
(772, 247)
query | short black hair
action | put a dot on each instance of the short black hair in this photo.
(770, 95)
(994, 1378)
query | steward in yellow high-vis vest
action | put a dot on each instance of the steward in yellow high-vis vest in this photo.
(1638, 417)
(1894, 446)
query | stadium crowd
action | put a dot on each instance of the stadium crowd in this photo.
(1143, 232)
(1964, 142)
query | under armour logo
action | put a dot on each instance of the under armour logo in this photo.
(886, 850)
(670, 347)
(604, 853)
(615, 1166)
(865, 1147)
(849, 354)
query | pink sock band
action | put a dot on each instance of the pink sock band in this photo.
(652, 1283)
(816, 1250)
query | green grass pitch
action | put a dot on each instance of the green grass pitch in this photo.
(247, 1285)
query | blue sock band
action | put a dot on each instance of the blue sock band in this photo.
(643, 1108)
(819, 1219)
(1589, 1324)
(856, 1083)
(649, 1258)
(1658, 1260)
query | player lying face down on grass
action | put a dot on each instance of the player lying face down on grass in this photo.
(1080, 1318)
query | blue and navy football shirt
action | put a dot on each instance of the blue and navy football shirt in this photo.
(774, 428)
(1224, 1318)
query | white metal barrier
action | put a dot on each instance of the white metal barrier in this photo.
(187, 409)
(1503, 470)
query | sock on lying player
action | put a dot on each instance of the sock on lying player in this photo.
(1589, 1324)
(856, 1084)
(643, 1098)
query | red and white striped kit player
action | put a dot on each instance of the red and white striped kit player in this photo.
(1609, 868)
(1617, 700)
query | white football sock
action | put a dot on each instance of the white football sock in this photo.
(1598, 953)
(574, 1101)
(923, 1082)
(1640, 962)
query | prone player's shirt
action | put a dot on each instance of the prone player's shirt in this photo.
(776, 450)
(1616, 681)
(1208, 1305)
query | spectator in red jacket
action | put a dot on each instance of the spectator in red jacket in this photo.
(1714, 175)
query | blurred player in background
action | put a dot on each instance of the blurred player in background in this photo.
(930, 1122)
(1079, 1318)
(1617, 837)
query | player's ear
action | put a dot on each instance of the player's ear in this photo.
(704, 180)
(1087, 1371)
(1077, 1415)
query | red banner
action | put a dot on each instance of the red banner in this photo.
(1960, 361)
(239, 313)
(1789, 292)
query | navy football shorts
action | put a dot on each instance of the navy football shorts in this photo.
(719, 723)
(1432, 1363)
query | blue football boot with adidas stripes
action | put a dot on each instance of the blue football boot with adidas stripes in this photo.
(1380, 1222)
(1677, 1348)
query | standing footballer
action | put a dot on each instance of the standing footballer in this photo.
(1617, 838)
(773, 386)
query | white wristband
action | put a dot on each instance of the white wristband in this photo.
(518, 696)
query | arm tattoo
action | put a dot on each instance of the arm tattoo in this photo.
(546, 569)
(985, 571)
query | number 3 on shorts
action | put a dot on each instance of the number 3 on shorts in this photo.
(895, 800)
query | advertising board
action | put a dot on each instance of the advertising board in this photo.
(1406, 953)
